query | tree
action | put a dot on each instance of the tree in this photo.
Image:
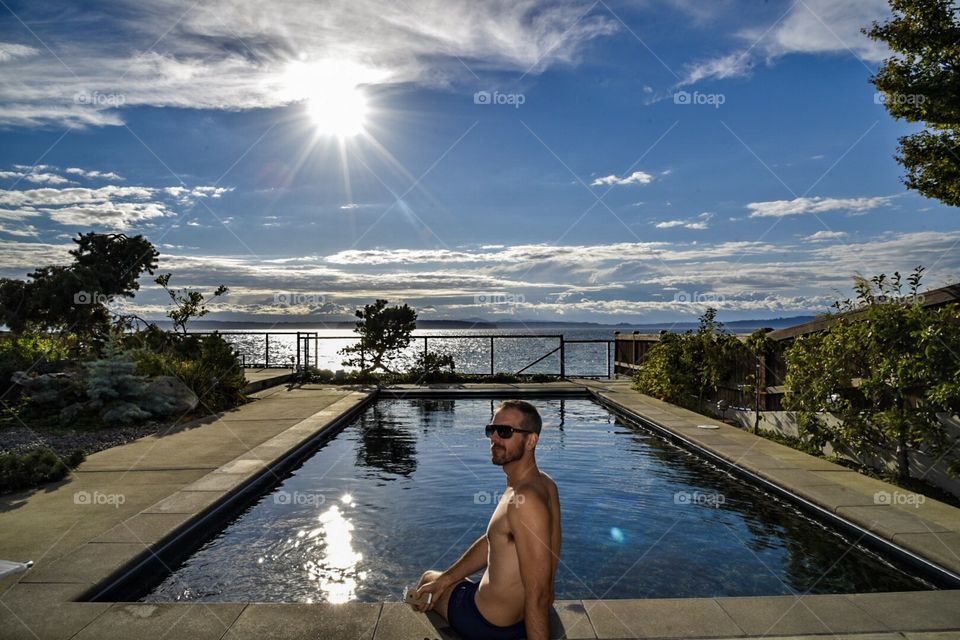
(74, 298)
(187, 303)
(922, 84)
(883, 369)
(690, 365)
(384, 333)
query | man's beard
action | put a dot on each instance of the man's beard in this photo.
(500, 455)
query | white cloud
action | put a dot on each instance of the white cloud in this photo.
(238, 55)
(98, 175)
(36, 175)
(637, 177)
(800, 206)
(10, 51)
(669, 224)
(809, 27)
(699, 223)
(115, 215)
(27, 231)
(824, 236)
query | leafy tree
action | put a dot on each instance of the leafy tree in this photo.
(74, 298)
(883, 369)
(384, 333)
(922, 84)
(689, 365)
(187, 303)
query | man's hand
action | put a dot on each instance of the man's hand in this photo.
(437, 586)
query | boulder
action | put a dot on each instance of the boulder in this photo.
(166, 396)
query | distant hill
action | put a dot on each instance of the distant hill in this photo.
(735, 326)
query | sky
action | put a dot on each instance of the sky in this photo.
(631, 161)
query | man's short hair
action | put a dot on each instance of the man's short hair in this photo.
(531, 417)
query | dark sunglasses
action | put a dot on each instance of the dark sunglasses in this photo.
(503, 430)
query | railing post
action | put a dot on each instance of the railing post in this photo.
(562, 358)
(424, 352)
(491, 355)
(266, 358)
(609, 376)
(298, 350)
(306, 350)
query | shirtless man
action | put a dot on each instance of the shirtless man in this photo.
(519, 550)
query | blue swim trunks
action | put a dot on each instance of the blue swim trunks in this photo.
(466, 619)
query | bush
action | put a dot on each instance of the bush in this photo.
(37, 352)
(207, 365)
(22, 471)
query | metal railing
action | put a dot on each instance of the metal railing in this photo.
(306, 350)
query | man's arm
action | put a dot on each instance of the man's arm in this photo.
(472, 560)
(530, 524)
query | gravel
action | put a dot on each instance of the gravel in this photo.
(65, 442)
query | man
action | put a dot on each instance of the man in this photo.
(519, 550)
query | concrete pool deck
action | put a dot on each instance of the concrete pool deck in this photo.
(124, 504)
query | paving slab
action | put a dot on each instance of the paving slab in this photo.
(914, 610)
(672, 618)
(58, 619)
(125, 621)
(186, 502)
(942, 548)
(87, 564)
(888, 521)
(144, 528)
(351, 621)
(399, 620)
(781, 615)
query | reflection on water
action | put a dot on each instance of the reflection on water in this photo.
(335, 567)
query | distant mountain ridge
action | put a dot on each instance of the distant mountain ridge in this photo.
(735, 326)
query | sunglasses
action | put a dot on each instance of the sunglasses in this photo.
(503, 430)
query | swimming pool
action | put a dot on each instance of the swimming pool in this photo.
(409, 485)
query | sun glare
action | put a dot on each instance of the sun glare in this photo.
(337, 110)
(332, 95)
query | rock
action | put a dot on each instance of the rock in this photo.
(167, 396)
(124, 413)
(54, 389)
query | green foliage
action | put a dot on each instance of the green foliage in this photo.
(187, 303)
(434, 367)
(34, 352)
(883, 369)
(922, 84)
(691, 365)
(384, 333)
(22, 471)
(208, 365)
(73, 298)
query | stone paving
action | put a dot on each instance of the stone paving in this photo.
(125, 502)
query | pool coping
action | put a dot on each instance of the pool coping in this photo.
(41, 593)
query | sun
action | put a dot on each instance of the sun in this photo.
(331, 94)
(337, 109)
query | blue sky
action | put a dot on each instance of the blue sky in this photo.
(625, 161)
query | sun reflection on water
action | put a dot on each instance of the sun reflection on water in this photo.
(335, 564)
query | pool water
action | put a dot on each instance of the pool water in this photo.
(409, 486)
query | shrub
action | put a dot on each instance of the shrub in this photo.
(22, 471)
(37, 352)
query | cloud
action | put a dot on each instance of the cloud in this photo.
(800, 206)
(10, 51)
(808, 27)
(637, 177)
(824, 236)
(699, 223)
(240, 55)
(97, 175)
